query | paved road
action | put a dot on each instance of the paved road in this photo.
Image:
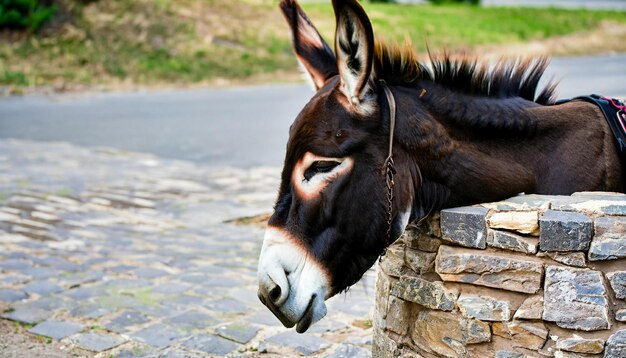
(573, 4)
(241, 127)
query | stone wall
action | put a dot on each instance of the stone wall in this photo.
(531, 276)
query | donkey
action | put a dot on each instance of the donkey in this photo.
(354, 176)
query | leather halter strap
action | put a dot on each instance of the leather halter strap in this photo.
(389, 166)
(392, 116)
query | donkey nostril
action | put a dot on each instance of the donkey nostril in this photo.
(275, 293)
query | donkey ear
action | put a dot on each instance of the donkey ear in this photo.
(354, 45)
(312, 51)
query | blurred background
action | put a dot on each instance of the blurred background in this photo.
(71, 44)
(140, 151)
(136, 47)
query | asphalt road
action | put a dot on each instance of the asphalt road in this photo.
(241, 127)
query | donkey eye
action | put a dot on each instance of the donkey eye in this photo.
(322, 166)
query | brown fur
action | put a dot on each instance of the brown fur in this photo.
(465, 133)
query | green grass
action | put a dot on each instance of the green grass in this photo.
(466, 27)
(155, 42)
(17, 78)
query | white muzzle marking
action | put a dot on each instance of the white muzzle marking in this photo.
(303, 284)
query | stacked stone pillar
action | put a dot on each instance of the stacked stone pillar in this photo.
(531, 276)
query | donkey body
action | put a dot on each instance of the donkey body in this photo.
(465, 133)
(489, 149)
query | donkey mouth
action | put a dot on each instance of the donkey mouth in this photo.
(281, 317)
(302, 324)
(307, 318)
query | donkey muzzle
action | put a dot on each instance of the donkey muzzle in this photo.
(291, 284)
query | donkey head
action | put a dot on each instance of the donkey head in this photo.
(331, 216)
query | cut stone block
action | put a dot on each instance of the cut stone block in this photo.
(525, 222)
(125, 320)
(509, 241)
(326, 326)
(148, 272)
(42, 288)
(617, 280)
(210, 344)
(576, 259)
(398, 316)
(575, 299)
(174, 352)
(426, 244)
(158, 335)
(237, 331)
(430, 227)
(8, 295)
(447, 334)
(429, 294)
(609, 242)
(465, 226)
(564, 231)
(522, 203)
(56, 329)
(616, 345)
(30, 315)
(491, 269)
(620, 315)
(383, 287)
(349, 350)
(484, 308)
(266, 318)
(383, 346)
(524, 334)
(305, 344)
(612, 195)
(191, 320)
(531, 308)
(96, 342)
(581, 345)
(392, 263)
(598, 204)
(419, 261)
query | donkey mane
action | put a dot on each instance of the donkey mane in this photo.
(505, 79)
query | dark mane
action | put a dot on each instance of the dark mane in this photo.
(504, 79)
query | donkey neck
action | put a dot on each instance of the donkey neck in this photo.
(462, 146)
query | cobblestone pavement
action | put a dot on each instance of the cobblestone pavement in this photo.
(124, 254)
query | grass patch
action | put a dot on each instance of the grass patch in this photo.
(258, 220)
(154, 42)
(63, 192)
(96, 327)
(465, 27)
(23, 183)
(363, 324)
(17, 78)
